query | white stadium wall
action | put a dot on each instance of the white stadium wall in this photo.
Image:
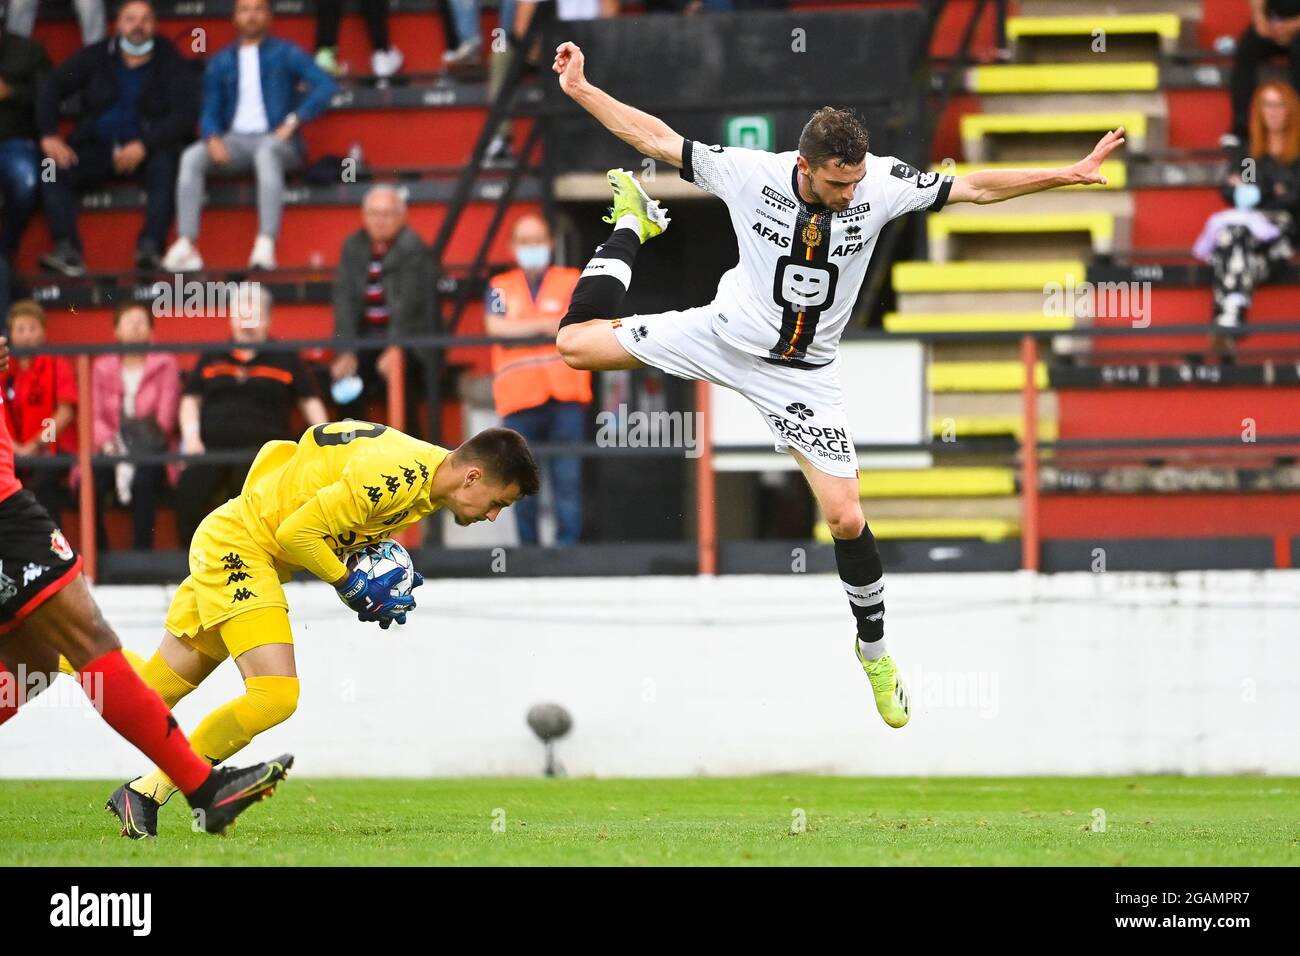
(1080, 674)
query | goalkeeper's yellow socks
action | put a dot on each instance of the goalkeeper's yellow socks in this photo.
(223, 733)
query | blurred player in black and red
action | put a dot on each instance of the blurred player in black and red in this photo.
(46, 610)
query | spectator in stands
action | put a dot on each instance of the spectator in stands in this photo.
(1274, 31)
(41, 400)
(251, 119)
(518, 21)
(21, 18)
(238, 401)
(383, 289)
(385, 59)
(1247, 242)
(536, 394)
(23, 65)
(136, 395)
(464, 18)
(138, 102)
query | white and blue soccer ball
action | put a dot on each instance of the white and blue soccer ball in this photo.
(380, 558)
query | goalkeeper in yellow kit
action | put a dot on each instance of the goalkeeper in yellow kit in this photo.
(304, 505)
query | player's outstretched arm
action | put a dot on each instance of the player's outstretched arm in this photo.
(643, 132)
(996, 185)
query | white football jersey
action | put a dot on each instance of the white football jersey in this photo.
(801, 266)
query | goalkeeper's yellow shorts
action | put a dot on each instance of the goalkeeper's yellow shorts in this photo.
(230, 575)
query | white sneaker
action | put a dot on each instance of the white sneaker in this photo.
(182, 256)
(386, 63)
(263, 254)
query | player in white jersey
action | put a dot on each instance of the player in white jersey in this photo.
(806, 222)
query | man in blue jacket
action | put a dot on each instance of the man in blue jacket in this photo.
(251, 116)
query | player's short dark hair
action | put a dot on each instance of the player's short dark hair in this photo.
(505, 456)
(833, 134)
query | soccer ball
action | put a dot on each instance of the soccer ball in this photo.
(383, 557)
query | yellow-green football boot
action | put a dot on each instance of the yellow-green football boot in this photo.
(891, 695)
(630, 200)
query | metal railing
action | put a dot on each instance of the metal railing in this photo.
(1025, 450)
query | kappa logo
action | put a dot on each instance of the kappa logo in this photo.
(233, 562)
(800, 411)
(8, 587)
(32, 571)
(238, 576)
(243, 594)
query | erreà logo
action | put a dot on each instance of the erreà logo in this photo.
(800, 411)
(74, 908)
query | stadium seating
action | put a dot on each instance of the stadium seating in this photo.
(986, 267)
(1160, 80)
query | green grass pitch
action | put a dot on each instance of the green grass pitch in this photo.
(742, 821)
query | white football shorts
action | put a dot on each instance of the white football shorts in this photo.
(804, 407)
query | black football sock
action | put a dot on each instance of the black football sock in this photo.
(862, 574)
(600, 290)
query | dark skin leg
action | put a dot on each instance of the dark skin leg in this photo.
(69, 623)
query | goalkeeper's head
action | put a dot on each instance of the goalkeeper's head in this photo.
(487, 474)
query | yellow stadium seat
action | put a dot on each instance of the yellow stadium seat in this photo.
(915, 322)
(937, 482)
(1164, 25)
(985, 529)
(1063, 78)
(987, 276)
(983, 376)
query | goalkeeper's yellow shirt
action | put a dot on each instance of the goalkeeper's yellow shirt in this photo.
(342, 485)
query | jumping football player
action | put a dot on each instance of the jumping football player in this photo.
(806, 222)
(46, 611)
(305, 504)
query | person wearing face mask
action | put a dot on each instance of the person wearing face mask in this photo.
(535, 393)
(383, 289)
(1246, 243)
(139, 104)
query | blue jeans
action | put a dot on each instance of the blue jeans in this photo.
(18, 165)
(465, 14)
(553, 422)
